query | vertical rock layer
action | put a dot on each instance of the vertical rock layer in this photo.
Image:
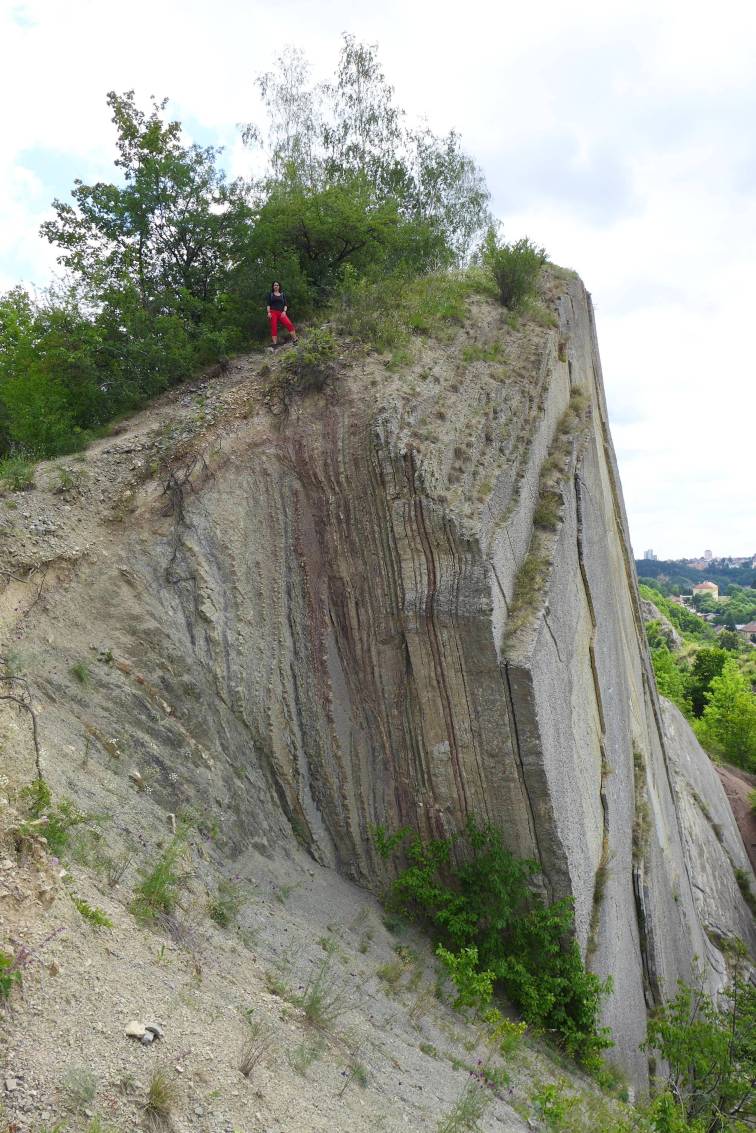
(411, 602)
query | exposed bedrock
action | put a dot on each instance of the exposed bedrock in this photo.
(411, 602)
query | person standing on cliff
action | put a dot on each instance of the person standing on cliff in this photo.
(277, 304)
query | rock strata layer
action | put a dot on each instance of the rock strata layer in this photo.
(409, 602)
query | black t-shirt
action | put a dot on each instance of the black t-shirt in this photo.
(277, 302)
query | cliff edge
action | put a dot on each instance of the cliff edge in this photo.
(410, 600)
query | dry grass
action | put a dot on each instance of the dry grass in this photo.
(162, 1096)
(256, 1043)
(322, 1001)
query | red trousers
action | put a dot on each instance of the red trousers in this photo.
(274, 317)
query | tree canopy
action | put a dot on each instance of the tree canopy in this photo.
(167, 264)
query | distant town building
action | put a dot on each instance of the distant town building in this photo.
(708, 556)
(748, 631)
(649, 554)
(709, 588)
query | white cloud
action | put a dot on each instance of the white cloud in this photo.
(619, 137)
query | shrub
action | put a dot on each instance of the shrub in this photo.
(502, 1032)
(474, 987)
(670, 678)
(159, 888)
(728, 724)
(486, 903)
(707, 664)
(91, 913)
(61, 817)
(79, 1088)
(311, 364)
(516, 268)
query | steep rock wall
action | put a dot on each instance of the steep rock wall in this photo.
(409, 602)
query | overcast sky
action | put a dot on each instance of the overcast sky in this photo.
(622, 137)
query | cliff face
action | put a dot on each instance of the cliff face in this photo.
(411, 601)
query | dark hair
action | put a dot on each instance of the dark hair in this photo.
(273, 284)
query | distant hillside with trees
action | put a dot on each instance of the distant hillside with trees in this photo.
(677, 576)
(710, 677)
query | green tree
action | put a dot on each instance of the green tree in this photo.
(169, 233)
(707, 664)
(48, 377)
(731, 641)
(169, 262)
(705, 604)
(710, 1053)
(421, 201)
(670, 680)
(739, 608)
(728, 724)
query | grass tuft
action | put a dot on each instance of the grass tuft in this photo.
(16, 473)
(469, 1108)
(256, 1043)
(322, 1001)
(81, 672)
(162, 1096)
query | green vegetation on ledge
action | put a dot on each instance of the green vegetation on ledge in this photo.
(477, 901)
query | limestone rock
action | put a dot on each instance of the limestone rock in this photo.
(409, 602)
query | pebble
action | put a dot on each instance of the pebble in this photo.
(11, 1083)
(135, 1030)
(147, 1038)
(155, 1029)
